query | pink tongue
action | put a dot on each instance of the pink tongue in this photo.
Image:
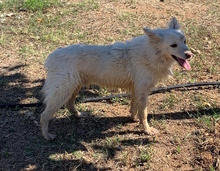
(184, 63)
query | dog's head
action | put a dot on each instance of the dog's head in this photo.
(171, 42)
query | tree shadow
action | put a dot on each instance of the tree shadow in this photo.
(16, 87)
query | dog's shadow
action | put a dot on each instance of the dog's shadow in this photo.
(75, 130)
(95, 127)
(73, 135)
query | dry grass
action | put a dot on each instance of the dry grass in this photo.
(107, 139)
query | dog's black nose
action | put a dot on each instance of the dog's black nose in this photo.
(188, 54)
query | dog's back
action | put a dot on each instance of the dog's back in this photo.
(110, 65)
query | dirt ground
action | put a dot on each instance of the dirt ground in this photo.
(108, 139)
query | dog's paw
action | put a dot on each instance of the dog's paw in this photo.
(49, 136)
(151, 131)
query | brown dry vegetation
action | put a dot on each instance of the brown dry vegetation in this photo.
(107, 139)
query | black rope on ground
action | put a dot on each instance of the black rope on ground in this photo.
(180, 87)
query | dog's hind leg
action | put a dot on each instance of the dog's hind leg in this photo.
(46, 115)
(55, 97)
(133, 109)
(70, 104)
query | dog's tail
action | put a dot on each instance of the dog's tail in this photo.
(54, 65)
(54, 60)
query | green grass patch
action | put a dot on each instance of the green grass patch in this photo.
(122, 101)
(209, 118)
(145, 155)
(3, 39)
(169, 102)
(25, 51)
(178, 149)
(85, 6)
(36, 5)
(28, 5)
(10, 5)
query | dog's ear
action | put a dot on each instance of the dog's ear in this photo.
(174, 24)
(153, 36)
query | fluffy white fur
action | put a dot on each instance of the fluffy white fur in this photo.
(137, 65)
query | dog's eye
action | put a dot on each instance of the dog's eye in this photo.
(184, 41)
(174, 45)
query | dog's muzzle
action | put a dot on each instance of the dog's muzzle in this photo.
(183, 62)
(188, 54)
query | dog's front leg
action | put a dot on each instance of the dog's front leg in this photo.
(142, 114)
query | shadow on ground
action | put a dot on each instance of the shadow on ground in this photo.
(16, 87)
(22, 145)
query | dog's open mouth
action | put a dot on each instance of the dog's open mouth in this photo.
(182, 62)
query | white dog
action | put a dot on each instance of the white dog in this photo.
(137, 65)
